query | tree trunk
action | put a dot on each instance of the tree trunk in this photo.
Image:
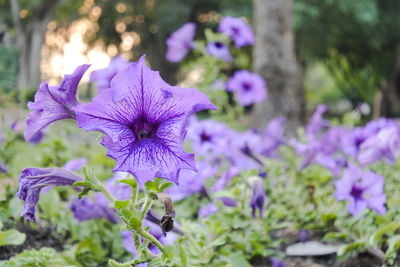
(30, 39)
(274, 58)
(390, 106)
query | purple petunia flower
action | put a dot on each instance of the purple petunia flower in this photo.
(75, 164)
(258, 196)
(272, 137)
(317, 123)
(384, 144)
(191, 182)
(219, 50)
(53, 103)
(3, 167)
(144, 120)
(249, 88)
(238, 30)
(32, 180)
(223, 181)
(85, 209)
(180, 42)
(104, 76)
(362, 189)
(277, 263)
(304, 235)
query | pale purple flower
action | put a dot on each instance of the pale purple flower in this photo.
(155, 230)
(143, 119)
(304, 235)
(219, 50)
(75, 164)
(273, 136)
(243, 150)
(86, 209)
(277, 263)
(104, 76)
(53, 103)
(362, 189)
(258, 195)
(180, 42)
(317, 123)
(3, 167)
(207, 210)
(238, 30)
(191, 182)
(32, 180)
(384, 144)
(223, 181)
(353, 140)
(248, 87)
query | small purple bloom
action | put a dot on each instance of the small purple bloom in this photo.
(317, 122)
(86, 209)
(277, 263)
(228, 201)
(304, 235)
(207, 210)
(363, 189)
(238, 30)
(258, 196)
(32, 180)
(144, 121)
(384, 144)
(223, 181)
(248, 87)
(3, 167)
(191, 182)
(180, 42)
(353, 140)
(53, 103)
(272, 137)
(219, 50)
(104, 76)
(75, 164)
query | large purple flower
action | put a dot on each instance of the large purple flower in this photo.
(317, 122)
(362, 189)
(104, 76)
(144, 120)
(180, 42)
(219, 50)
(249, 88)
(32, 181)
(273, 136)
(53, 103)
(238, 30)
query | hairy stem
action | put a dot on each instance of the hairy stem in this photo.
(146, 206)
(152, 239)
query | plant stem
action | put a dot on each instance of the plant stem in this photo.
(146, 206)
(152, 239)
(105, 191)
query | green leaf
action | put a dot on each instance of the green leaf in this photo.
(165, 186)
(376, 237)
(131, 182)
(169, 252)
(11, 237)
(393, 246)
(345, 250)
(121, 204)
(155, 262)
(237, 260)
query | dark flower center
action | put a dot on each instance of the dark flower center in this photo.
(235, 30)
(219, 45)
(359, 141)
(204, 137)
(356, 192)
(141, 128)
(246, 86)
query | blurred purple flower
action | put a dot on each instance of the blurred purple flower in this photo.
(53, 103)
(85, 209)
(155, 230)
(277, 263)
(353, 140)
(191, 182)
(180, 42)
(238, 30)
(317, 123)
(75, 164)
(104, 76)
(144, 119)
(222, 182)
(207, 210)
(258, 196)
(363, 189)
(248, 87)
(32, 180)
(384, 144)
(2, 139)
(3, 167)
(208, 136)
(219, 50)
(18, 127)
(304, 235)
(273, 136)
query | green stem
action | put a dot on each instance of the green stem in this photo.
(105, 192)
(136, 239)
(152, 239)
(146, 207)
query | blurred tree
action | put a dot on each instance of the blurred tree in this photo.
(366, 33)
(275, 60)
